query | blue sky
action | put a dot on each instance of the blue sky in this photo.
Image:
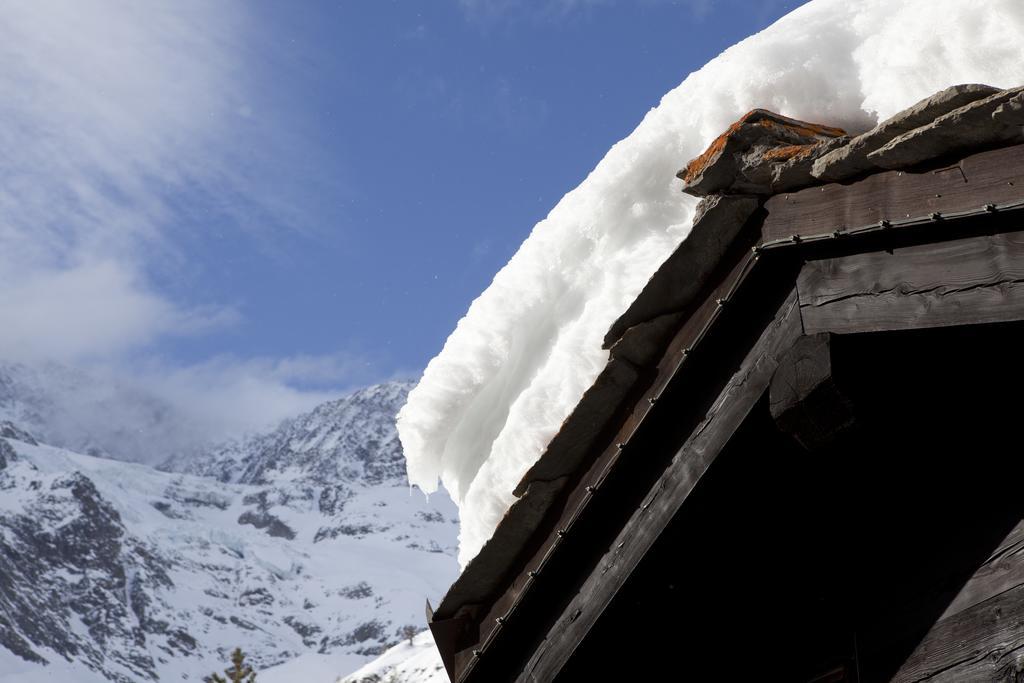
(286, 199)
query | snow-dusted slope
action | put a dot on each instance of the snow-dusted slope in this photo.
(415, 662)
(530, 345)
(309, 548)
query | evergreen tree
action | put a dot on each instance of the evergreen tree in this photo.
(240, 672)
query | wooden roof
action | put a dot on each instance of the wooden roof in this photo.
(707, 331)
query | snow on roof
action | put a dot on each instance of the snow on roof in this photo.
(531, 343)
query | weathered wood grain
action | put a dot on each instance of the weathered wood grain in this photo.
(987, 178)
(804, 399)
(982, 643)
(665, 498)
(958, 282)
(1002, 571)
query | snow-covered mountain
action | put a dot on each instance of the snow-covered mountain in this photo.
(303, 546)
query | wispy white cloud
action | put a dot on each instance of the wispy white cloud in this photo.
(109, 108)
(151, 411)
(228, 395)
(121, 123)
(93, 309)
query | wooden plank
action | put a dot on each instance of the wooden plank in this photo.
(667, 495)
(1002, 571)
(987, 178)
(958, 282)
(983, 643)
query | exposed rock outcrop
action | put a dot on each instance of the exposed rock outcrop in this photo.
(9, 430)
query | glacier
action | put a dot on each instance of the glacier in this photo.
(530, 345)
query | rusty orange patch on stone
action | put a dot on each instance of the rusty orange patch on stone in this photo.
(787, 152)
(696, 167)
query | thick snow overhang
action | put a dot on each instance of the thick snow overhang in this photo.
(771, 186)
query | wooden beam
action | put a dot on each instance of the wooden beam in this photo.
(983, 643)
(451, 635)
(987, 178)
(664, 499)
(804, 399)
(1002, 571)
(957, 282)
